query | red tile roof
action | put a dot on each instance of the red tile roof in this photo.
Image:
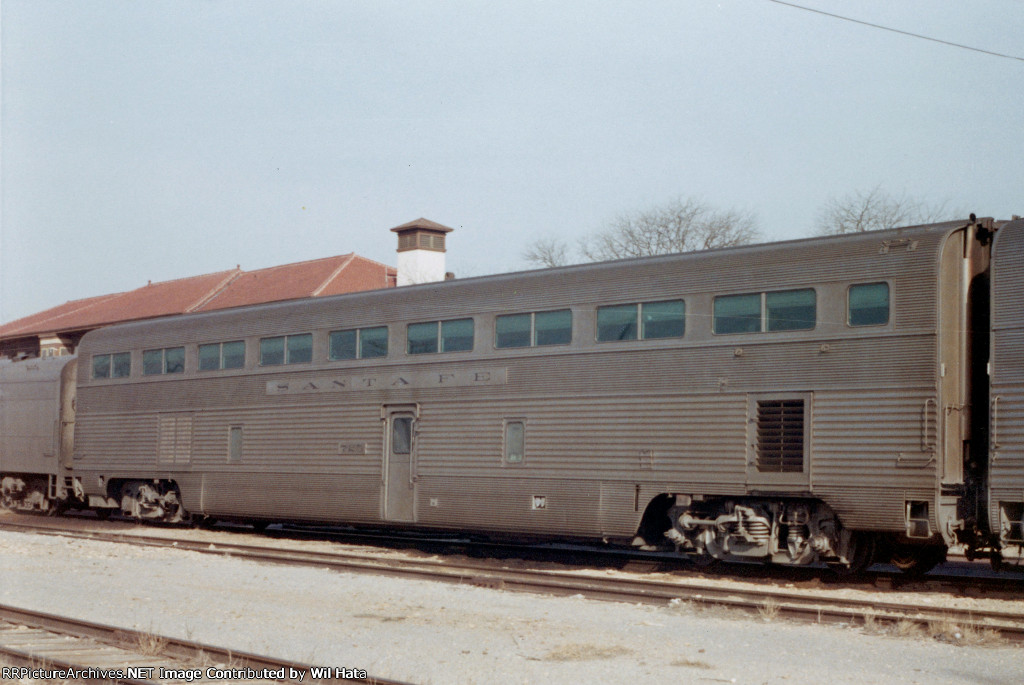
(234, 288)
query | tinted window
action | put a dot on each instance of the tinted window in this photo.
(617, 323)
(153, 362)
(457, 335)
(209, 357)
(737, 314)
(121, 366)
(663, 319)
(373, 342)
(512, 330)
(869, 304)
(791, 310)
(300, 348)
(422, 338)
(174, 360)
(363, 343)
(343, 344)
(401, 435)
(101, 366)
(229, 355)
(553, 328)
(272, 351)
(233, 355)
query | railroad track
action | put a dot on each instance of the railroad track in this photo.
(764, 601)
(39, 646)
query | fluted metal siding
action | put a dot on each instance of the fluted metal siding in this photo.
(608, 425)
(29, 414)
(1006, 467)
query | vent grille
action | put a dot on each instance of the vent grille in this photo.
(780, 436)
(175, 441)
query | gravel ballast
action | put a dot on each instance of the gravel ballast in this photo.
(426, 632)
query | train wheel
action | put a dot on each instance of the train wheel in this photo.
(917, 561)
(861, 554)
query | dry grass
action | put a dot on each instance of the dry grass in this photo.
(981, 637)
(769, 609)
(148, 644)
(585, 652)
(872, 626)
(907, 628)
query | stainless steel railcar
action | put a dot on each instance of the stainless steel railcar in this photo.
(816, 400)
(36, 432)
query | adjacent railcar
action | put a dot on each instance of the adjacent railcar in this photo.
(795, 402)
(36, 432)
(1006, 403)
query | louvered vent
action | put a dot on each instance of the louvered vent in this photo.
(175, 443)
(780, 436)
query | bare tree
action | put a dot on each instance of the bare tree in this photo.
(682, 225)
(874, 210)
(547, 252)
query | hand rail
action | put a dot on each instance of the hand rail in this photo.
(927, 445)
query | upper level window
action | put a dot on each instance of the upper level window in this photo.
(783, 310)
(167, 360)
(228, 355)
(440, 336)
(868, 304)
(643, 321)
(534, 329)
(112, 365)
(286, 349)
(359, 343)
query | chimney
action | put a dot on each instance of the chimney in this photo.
(421, 252)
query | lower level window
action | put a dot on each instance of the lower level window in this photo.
(515, 441)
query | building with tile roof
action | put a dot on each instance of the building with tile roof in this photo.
(56, 331)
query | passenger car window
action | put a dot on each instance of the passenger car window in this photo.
(868, 304)
(533, 329)
(359, 343)
(121, 365)
(167, 360)
(513, 330)
(455, 335)
(286, 349)
(662, 319)
(642, 321)
(229, 355)
(617, 323)
(737, 314)
(101, 366)
(781, 310)
(791, 310)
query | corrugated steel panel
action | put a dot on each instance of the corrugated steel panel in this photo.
(1006, 434)
(30, 414)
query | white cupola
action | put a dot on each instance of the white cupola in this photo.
(421, 252)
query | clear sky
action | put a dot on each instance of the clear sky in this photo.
(167, 138)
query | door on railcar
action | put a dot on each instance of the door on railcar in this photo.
(399, 466)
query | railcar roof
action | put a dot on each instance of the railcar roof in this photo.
(437, 289)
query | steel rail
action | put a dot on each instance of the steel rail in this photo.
(45, 642)
(790, 604)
